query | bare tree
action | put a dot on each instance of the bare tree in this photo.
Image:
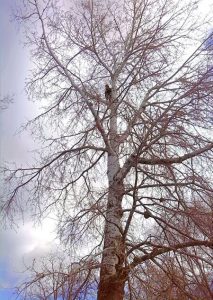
(56, 277)
(126, 91)
(5, 101)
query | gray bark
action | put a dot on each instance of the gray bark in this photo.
(112, 278)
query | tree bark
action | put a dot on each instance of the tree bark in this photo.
(112, 277)
(111, 289)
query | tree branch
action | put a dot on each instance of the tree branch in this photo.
(156, 251)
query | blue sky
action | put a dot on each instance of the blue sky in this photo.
(7, 279)
(6, 294)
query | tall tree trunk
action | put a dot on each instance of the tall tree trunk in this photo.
(111, 289)
(112, 278)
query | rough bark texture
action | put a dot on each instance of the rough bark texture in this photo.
(112, 279)
(111, 289)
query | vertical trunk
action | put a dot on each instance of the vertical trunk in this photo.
(112, 278)
(111, 289)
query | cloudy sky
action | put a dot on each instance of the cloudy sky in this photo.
(27, 241)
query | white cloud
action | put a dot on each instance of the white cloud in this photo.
(22, 246)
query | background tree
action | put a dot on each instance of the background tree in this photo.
(57, 277)
(128, 175)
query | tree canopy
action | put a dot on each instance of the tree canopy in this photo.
(128, 173)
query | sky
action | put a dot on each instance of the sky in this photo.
(27, 241)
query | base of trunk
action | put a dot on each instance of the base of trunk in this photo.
(111, 288)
